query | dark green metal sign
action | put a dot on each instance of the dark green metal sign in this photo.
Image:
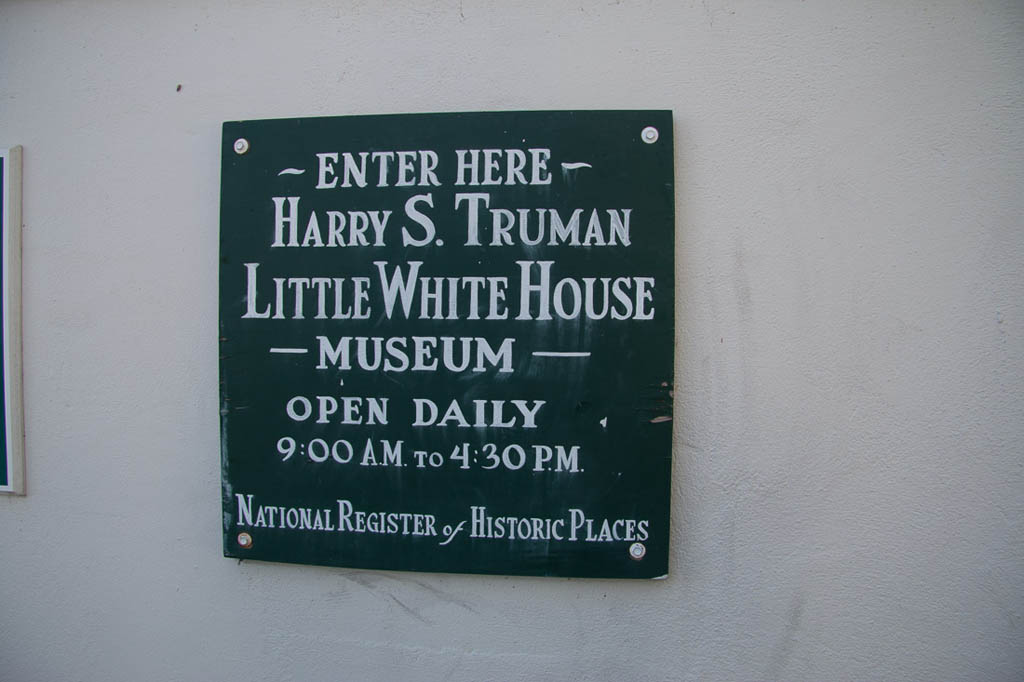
(446, 341)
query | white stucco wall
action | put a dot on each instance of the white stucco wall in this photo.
(849, 438)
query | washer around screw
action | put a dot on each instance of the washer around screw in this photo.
(637, 551)
(244, 540)
(242, 145)
(649, 134)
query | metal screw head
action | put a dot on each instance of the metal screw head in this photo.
(241, 145)
(649, 134)
(244, 540)
(637, 551)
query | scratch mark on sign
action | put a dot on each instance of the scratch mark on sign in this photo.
(292, 171)
(575, 165)
(289, 350)
(656, 401)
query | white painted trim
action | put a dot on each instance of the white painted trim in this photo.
(11, 293)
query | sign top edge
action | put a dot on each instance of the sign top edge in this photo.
(502, 112)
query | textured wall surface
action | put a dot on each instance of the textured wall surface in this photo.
(849, 438)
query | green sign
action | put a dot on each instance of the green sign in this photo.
(447, 341)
